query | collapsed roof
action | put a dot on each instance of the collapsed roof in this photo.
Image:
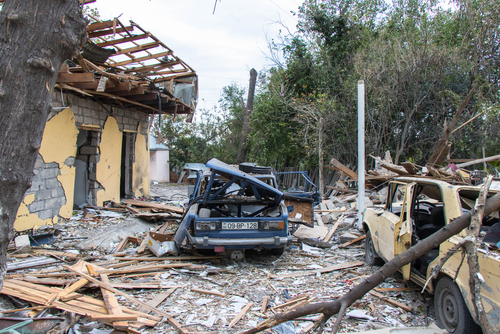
(128, 66)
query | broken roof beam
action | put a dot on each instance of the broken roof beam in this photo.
(176, 76)
(168, 72)
(139, 59)
(100, 25)
(123, 99)
(106, 32)
(138, 48)
(134, 91)
(125, 85)
(142, 97)
(343, 168)
(154, 67)
(74, 77)
(122, 40)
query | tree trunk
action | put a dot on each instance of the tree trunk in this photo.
(36, 36)
(441, 145)
(242, 149)
(390, 268)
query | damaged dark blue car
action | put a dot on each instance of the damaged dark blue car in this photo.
(233, 209)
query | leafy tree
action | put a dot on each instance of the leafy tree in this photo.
(215, 134)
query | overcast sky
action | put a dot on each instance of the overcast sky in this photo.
(221, 47)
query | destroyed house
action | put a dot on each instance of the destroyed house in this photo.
(95, 145)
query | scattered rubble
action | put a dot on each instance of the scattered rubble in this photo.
(100, 282)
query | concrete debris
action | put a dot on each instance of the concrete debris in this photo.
(141, 292)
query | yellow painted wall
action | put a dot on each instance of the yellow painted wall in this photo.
(140, 173)
(108, 168)
(58, 144)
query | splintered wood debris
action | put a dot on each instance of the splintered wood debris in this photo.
(120, 284)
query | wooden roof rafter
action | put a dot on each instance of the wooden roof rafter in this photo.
(132, 73)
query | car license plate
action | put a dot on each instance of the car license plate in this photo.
(240, 226)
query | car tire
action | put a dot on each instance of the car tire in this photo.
(452, 313)
(371, 257)
(278, 251)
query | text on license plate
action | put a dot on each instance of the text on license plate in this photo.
(240, 226)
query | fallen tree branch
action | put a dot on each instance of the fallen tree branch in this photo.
(328, 309)
(475, 278)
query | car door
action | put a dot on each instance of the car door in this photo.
(394, 232)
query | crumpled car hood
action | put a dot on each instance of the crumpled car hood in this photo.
(230, 172)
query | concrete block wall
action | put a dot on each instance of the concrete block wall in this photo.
(48, 191)
(90, 112)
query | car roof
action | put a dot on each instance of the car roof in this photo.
(229, 171)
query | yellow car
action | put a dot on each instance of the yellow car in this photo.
(415, 209)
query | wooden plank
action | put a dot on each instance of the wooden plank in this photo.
(85, 85)
(144, 268)
(343, 168)
(391, 301)
(100, 25)
(125, 242)
(123, 40)
(208, 292)
(322, 271)
(394, 168)
(154, 67)
(114, 309)
(300, 304)
(138, 48)
(40, 293)
(478, 161)
(292, 302)
(240, 315)
(264, 305)
(116, 97)
(121, 86)
(116, 319)
(353, 241)
(344, 190)
(36, 308)
(134, 91)
(142, 97)
(74, 77)
(170, 319)
(58, 253)
(329, 235)
(154, 205)
(106, 32)
(411, 168)
(158, 300)
(72, 288)
(138, 59)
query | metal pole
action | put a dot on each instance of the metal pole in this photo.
(361, 151)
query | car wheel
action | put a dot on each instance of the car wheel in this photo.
(371, 257)
(451, 311)
(278, 251)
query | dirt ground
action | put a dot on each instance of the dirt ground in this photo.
(302, 271)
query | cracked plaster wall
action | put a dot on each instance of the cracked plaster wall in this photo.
(52, 190)
(141, 166)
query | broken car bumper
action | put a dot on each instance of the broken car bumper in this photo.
(271, 241)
